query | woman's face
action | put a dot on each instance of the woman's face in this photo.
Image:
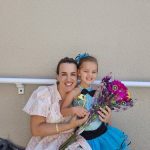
(67, 77)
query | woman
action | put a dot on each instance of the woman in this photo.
(48, 127)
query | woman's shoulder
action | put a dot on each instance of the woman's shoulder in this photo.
(42, 93)
(44, 90)
(39, 101)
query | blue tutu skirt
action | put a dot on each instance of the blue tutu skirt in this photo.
(112, 139)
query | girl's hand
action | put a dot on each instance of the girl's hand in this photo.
(79, 111)
(105, 115)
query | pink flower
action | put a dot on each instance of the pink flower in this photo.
(117, 87)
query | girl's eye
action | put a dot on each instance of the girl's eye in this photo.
(94, 72)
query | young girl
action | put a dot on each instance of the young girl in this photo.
(98, 134)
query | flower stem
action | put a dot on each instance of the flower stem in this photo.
(69, 141)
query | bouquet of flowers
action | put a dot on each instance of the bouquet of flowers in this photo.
(114, 94)
(111, 93)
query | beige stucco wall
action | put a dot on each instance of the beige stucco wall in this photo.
(35, 34)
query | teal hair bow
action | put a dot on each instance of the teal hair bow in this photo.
(81, 56)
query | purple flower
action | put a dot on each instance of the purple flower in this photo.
(106, 79)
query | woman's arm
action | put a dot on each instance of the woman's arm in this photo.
(39, 127)
(67, 109)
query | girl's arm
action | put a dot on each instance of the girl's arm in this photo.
(67, 109)
(39, 127)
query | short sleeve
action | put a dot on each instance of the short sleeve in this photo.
(39, 102)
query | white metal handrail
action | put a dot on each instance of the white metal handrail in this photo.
(132, 83)
(52, 81)
(27, 81)
(21, 81)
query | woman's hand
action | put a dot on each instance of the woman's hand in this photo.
(75, 122)
(105, 115)
(79, 111)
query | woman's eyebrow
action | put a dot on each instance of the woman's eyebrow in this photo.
(63, 72)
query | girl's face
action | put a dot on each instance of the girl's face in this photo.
(67, 77)
(87, 73)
